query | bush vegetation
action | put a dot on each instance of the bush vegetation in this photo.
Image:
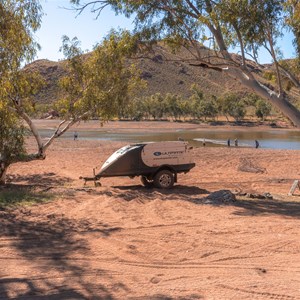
(197, 107)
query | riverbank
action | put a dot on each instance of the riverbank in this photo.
(124, 241)
(163, 125)
(273, 171)
(135, 132)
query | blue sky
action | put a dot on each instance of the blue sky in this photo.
(58, 21)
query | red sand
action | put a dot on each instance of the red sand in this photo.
(123, 241)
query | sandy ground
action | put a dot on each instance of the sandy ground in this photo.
(124, 241)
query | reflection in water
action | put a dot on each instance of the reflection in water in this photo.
(273, 139)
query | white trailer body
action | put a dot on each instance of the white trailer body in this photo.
(169, 153)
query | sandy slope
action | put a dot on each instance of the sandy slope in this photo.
(123, 241)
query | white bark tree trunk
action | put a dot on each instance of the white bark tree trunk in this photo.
(279, 101)
(42, 147)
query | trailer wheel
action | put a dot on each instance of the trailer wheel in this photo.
(164, 179)
(146, 182)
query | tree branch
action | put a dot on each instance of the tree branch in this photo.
(59, 132)
(99, 9)
(34, 131)
(289, 76)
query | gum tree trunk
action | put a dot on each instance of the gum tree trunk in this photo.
(279, 101)
(3, 170)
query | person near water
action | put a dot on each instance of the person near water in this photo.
(236, 142)
(204, 142)
(256, 144)
(228, 142)
(75, 135)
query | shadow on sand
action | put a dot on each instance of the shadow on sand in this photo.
(57, 255)
(49, 178)
(196, 195)
(178, 192)
(270, 207)
(58, 258)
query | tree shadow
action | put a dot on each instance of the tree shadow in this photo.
(49, 178)
(55, 245)
(165, 297)
(187, 193)
(270, 207)
(198, 196)
(33, 291)
(12, 195)
(53, 248)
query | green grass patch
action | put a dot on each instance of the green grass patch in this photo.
(22, 196)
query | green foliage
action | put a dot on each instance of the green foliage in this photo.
(269, 75)
(201, 106)
(263, 109)
(234, 106)
(240, 25)
(12, 136)
(41, 109)
(250, 99)
(174, 104)
(292, 8)
(18, 22)
(171, 106)
(181, 23)
(197, 107)
(155, 106)
(134, 110)
(101, 83)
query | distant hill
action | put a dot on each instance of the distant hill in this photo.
(161, 69)
(51, 72)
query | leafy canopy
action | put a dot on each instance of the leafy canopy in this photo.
(183, 22)
(222, 26)
(12, 136)
(19, 19)
(99, 84)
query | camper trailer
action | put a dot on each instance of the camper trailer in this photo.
(157, 163)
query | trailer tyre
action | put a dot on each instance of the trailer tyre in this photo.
(146, 182)
(164, 179)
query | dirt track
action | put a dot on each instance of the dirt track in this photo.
(123, 241)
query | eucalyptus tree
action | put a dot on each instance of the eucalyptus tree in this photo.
(154, 106)
(224, 26)
(101, 83)
(173, 106)
(97, 85)
(202, 106)
(11, 140)
(18, 22)
(134, 110)
(233, 105)
(263, 109)
(293, 20)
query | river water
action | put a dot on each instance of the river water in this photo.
(271, 139)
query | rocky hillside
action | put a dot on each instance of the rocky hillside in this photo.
(161, 69)
(166, 74)
(51, 72)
